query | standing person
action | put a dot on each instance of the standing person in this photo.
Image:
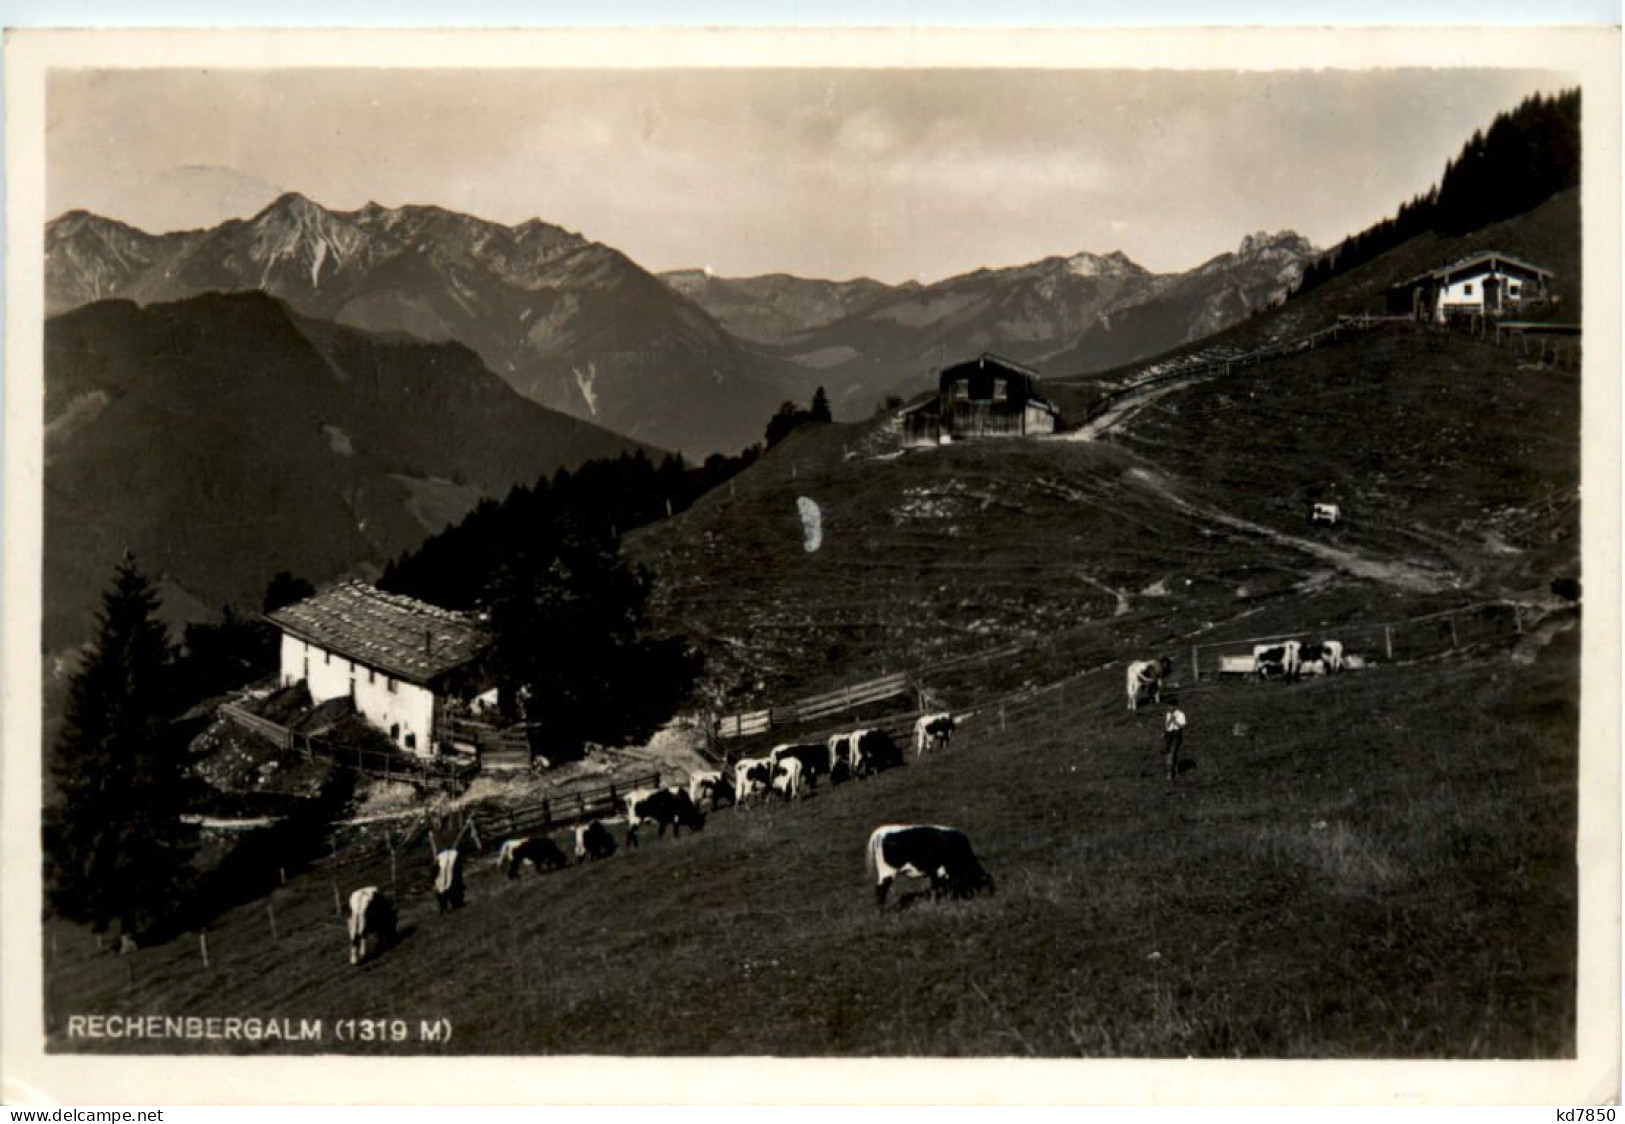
(1173, 737)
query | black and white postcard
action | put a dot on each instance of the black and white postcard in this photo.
(768, 566)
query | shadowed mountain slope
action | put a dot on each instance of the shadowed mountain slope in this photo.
(223, 438)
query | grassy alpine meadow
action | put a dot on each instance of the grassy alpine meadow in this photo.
(1380, 864)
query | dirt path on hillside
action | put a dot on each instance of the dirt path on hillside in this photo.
(1130, 405)
(1403, 575)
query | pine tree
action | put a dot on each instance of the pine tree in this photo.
(565, 629)
(286, 589)
(116, 849)
(820, 407)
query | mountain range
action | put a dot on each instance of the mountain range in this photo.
(684, 360)
(1062, 315)
(569, 323)
(225, 437)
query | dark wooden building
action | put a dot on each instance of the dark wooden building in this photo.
(984, 397)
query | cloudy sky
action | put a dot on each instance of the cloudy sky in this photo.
(893, 174)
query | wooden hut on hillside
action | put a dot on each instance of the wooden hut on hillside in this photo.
(1483, 284)
(983, 397)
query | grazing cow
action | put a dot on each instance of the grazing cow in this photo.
(753, 776)
(1147, 676)
(715, 787)
(941, 854)
(448, 879)
(371, 916)
(593, 841)
(668, 807)
(843, 757)
(816, 760)
(933, 731)
(874, 751)
(1333, 650)
(539, 852)
(1277, 661)
(787, 778)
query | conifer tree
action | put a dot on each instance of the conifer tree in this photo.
(116, 849)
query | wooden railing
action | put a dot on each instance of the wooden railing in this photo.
(814, 708)
(378, 763)
(1199, 368)
(566, 809)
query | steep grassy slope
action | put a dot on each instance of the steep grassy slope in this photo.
(1455, 462)
(1379, 865)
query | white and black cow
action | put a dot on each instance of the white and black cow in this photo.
(787, 778)
(1277, 661)
(1144, 680)
(816, 760)
(933, 731)
(713, 787)
(941, 854)
(593, 841)
(843, 756)
(667, 807)
(753, 779)
(540, 852)
(448, 879)
(372, 917)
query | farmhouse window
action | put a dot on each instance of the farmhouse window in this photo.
(327, 657)
(1001, 390)
(372, 676)
(1467, 289)
(390, 683)
(1513, 288)
(395, 732)
(962, 390)
(411, 741)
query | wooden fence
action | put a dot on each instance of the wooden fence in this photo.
(1215, 367)
(491, 826)
(1409, 639)
(377, 763)
(815, 707)
(1529, 341)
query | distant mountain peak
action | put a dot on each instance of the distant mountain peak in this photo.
(1289, 241)
(1114, 264)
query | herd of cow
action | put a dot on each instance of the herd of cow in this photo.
(1289, 660)
(940, 855)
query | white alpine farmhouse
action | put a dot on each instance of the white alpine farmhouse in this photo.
(1484, 284)
(406, 664)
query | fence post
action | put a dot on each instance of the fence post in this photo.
(271, 913)
(1388, 641)
(1517, 616)
(1454, 641)
(1196, 666)
(203, 943)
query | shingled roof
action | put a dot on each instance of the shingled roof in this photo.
(398, 635)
